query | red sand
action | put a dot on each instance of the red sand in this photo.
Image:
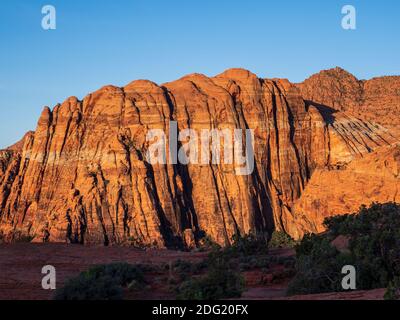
(21, 265)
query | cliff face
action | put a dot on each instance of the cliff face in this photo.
(376, 100)
(81, 176)
(372, 178)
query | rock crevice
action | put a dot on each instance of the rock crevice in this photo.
(82, 177)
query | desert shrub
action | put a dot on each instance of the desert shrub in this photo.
(102, 282)
(186, 269)
(393, 290)
(280, 239)
(242, 246)
(374, 239)
(206, 244)
(85, 287)
(318, 267)
(135, 243)
(182, 266)
(288, 262)
(253, 262)
(249, 245)
(220, 282)
(262, 262)
(123, 273)
(244, 253)
(20, 237)
(223, 279)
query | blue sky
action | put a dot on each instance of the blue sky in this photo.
(100, 42)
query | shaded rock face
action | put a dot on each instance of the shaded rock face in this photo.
(82, 177)
(376, 100)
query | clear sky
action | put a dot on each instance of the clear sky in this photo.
(99, 42)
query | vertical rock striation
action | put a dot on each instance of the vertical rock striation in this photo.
(82, 176)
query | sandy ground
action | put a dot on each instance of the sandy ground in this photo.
(21, 265)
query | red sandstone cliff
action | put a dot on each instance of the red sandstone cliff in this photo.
(376, 100)
(82, 177)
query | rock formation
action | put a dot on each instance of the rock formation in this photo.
(82, 176)
(375, 177)
(376, 100)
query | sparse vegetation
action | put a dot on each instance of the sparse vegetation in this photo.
(393, 290)
(102, 282)
(19, 237)
(219, 282)
(246, 246)
(216, 277)
(206, 244)
(186, 269)
(223, 278)
(373, 249)
(280, 239)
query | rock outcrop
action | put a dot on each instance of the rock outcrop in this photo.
(375, 100)
(82, 176)
(375, 177)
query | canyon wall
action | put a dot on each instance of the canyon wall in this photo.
(82, 176)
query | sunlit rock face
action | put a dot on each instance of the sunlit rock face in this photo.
(82, 176)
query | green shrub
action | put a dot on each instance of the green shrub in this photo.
(186, 268)
(223, 279)
(318, 267)
(288, 262)
(280, 239)
(255, 262)
(206, 243)
(102, 282)
(246, 246)
(20, 237)
(182, 266)
(249, 245)
(393, 290)
(374, 239)
(219, 283)
(85, 287)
